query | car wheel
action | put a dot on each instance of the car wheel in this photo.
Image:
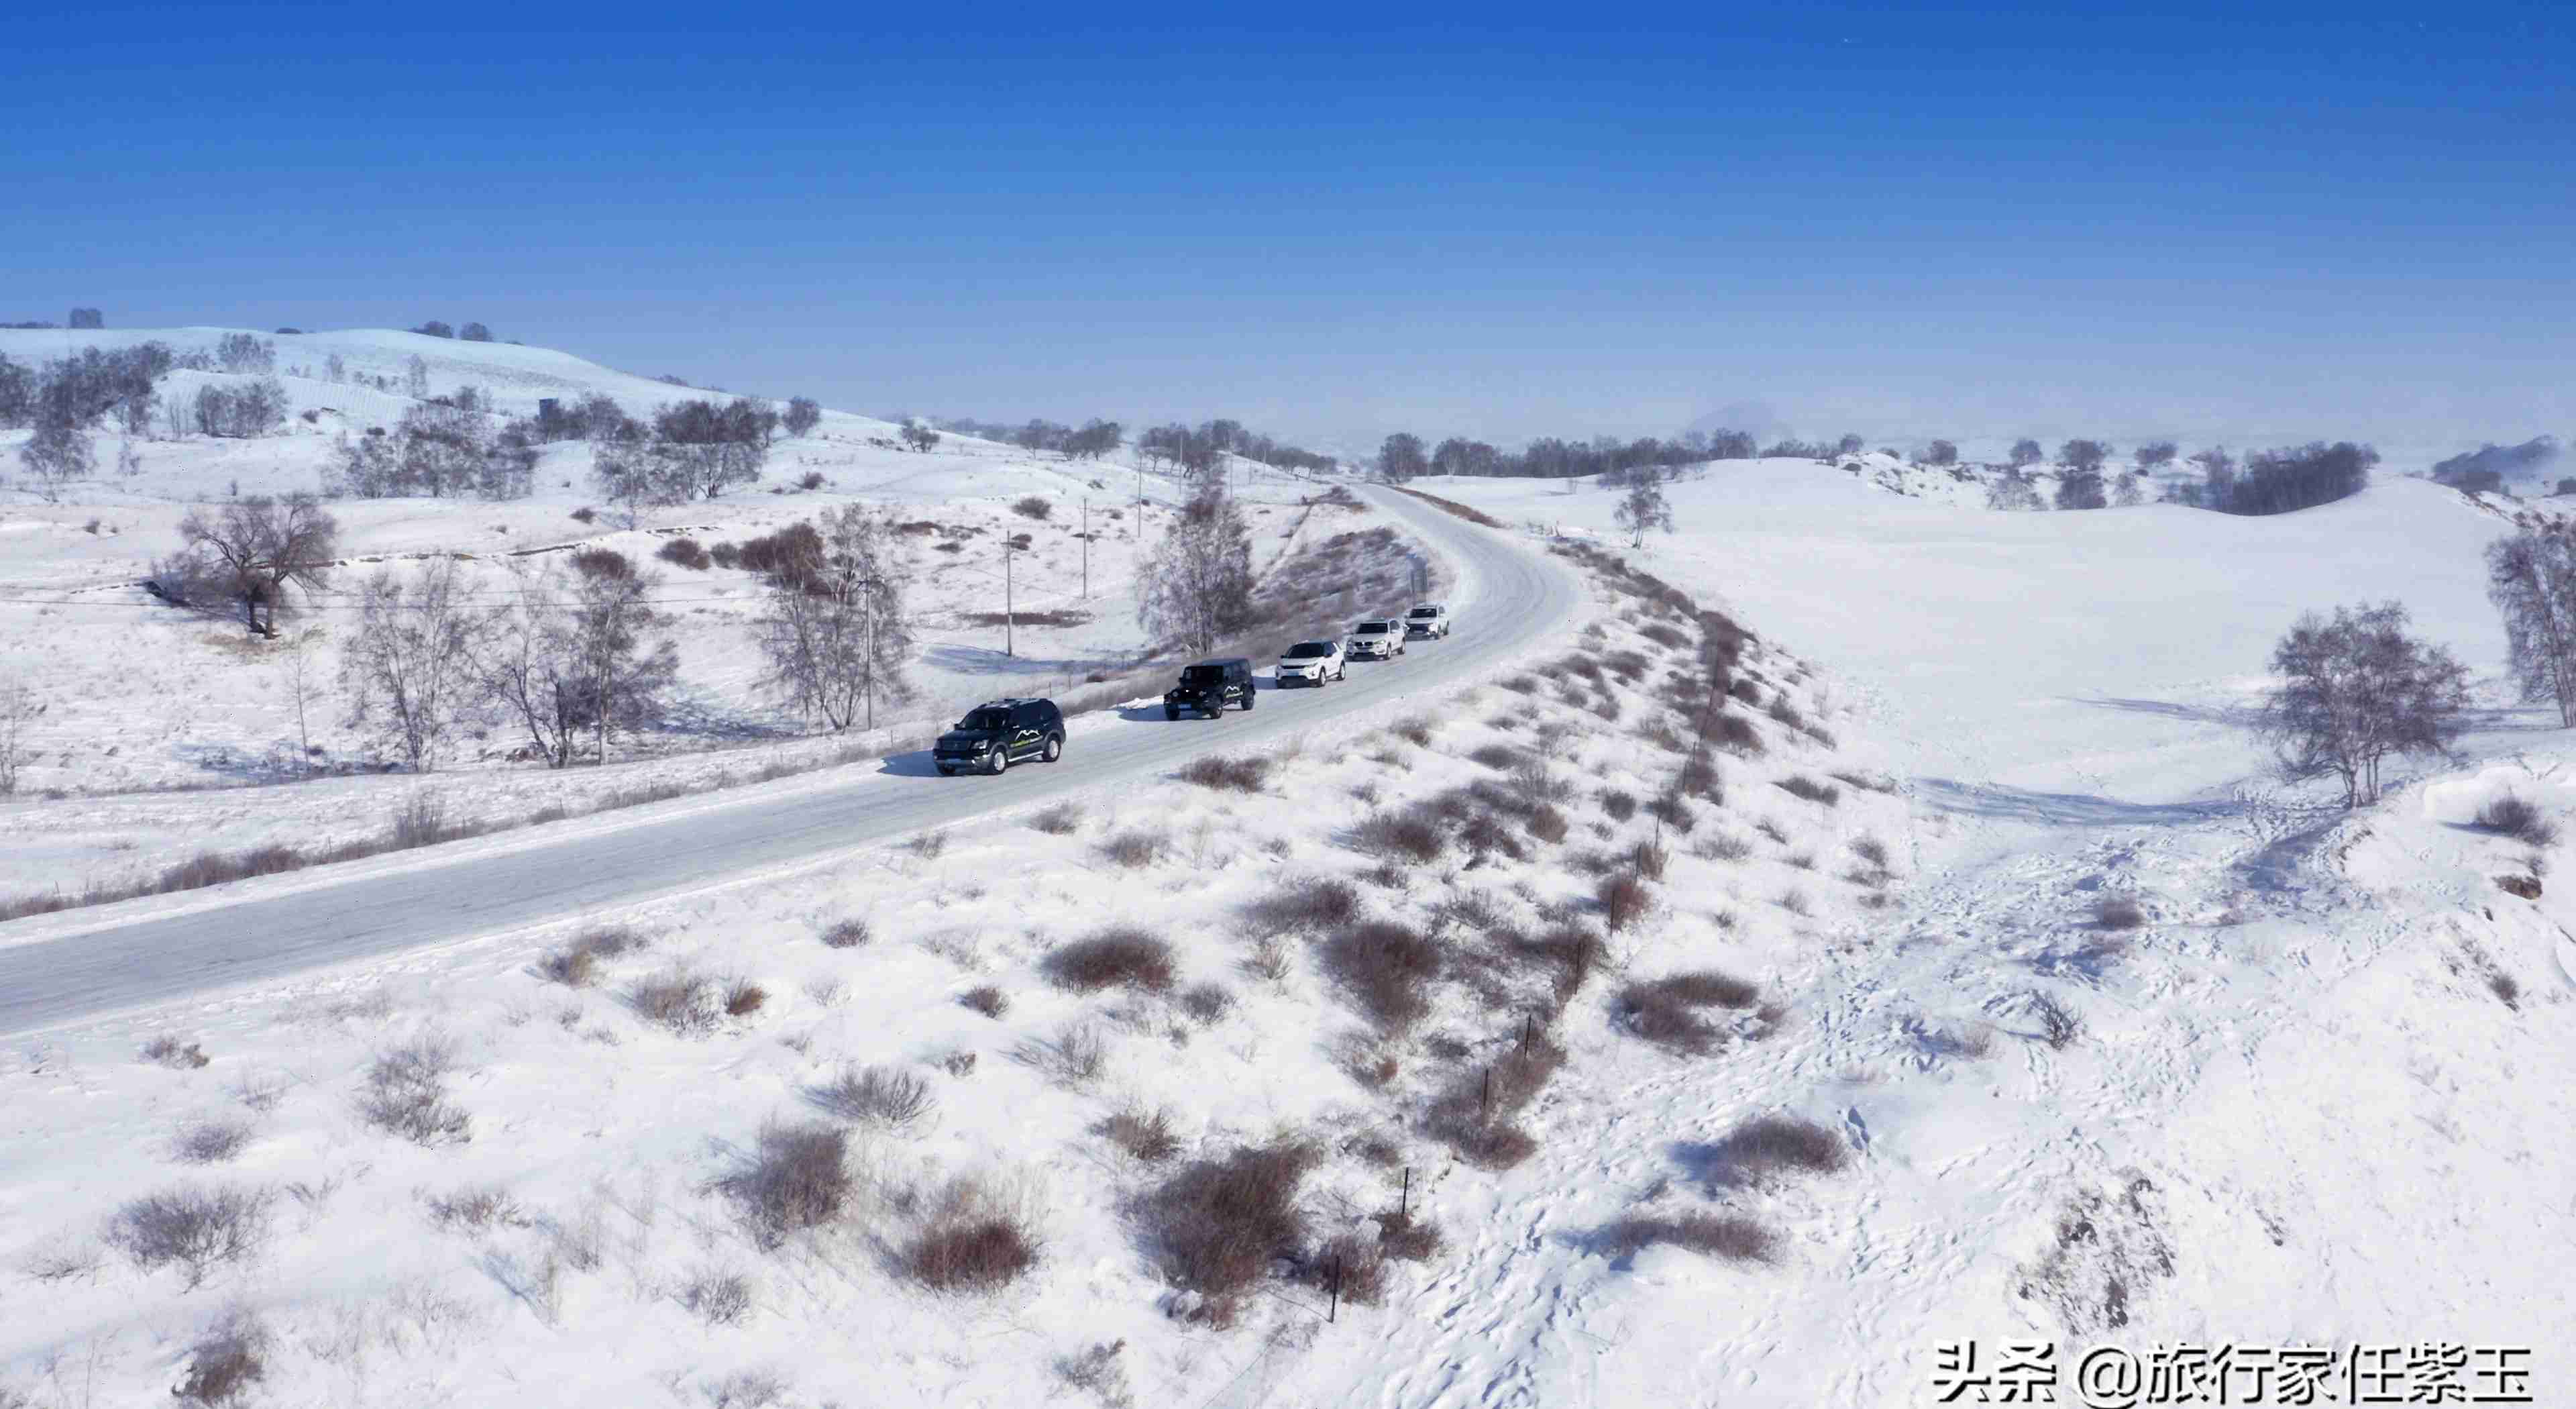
(1250, 698)
(1171, 714)
(1054, 748)
(947, 772)
(1001, 760)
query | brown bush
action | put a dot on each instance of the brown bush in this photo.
(1569, 954)
(1474, 1113)
(1137, 848)
(1650, 859)
(1062, 819)
(1033, 506)
(1407, 1236)
(742, 998)
(1215, 1225)
(2516, 818)
(2118, 912)
(885, 1096)
(1311, 904)
(197, 1229)
(1144, 1134)
(1625, 899)
(1808, 788)
(1735, 733)
(1415, 731)
(797, 1177)
(1206, 1002)
(685, 552)
(986, 999)
(1502, 758)
(1241, 775)
(1386, 969)
(1122, 957)
(849, 933)
(1547, 824)
(1620, 806)
(167, 1050)
(576, 965)
(680, 1000)
(1729, 1236)
(1771, 1145)
(224, 1365)
(1409, 836)
(1666, 1011)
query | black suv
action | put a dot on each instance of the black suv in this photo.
(994, 736)
(1209, 687)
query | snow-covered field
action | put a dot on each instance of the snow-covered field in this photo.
(2314, 1096)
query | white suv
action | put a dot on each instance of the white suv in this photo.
(1429, 619)
(1379, 639)
(1311, 663)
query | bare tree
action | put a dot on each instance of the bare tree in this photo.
(18, 712)
(2156, 454)
(1941, 452)
(834, 629)
(2084, 454)
(410, 667)
(2531, 578)
(2025, 452)
(804, 413)
(1400, 457)
(568, 658)
(2356, 690)
(415, 378)
(1850, 444)
(296, 671)
(1643, 507)
(474, 332)
(2128, 490)
(919, 436)
(59, 452)
(257, 547)
(1198, 581)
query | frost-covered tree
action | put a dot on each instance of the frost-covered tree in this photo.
(1400, 457)
(1643, 507)
(568, 659)
(2013, 491)
(251, 550)
(833, 627)
(2025, 453)
(409, 667)
(1941, 452)
(2531, 578)
(804, 413)
(57, 454)
(1198, 581)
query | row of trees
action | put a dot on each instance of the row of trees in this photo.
(445, 447)
(473, 332)
(1404, 455)
(1094, 439)
(693, 450)
(1196, 585)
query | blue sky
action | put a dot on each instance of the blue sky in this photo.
(2291, 220)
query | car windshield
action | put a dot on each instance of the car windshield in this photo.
(1372, 628)
(1426, 611)
(1308, 650)
(986, 719)
(1203, 675)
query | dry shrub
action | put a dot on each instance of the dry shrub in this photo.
(719, 1296)
(1547, 824)
(1122, 957)
(1474, 1113)
(1144, 1134)
(1140, 847)
(1801, 786)
(986, 999)
(224, 1364)
(1723, 847)
(685, 552)
(1206, 1002)
(210, 1141)
(1307, 905)
(476, 1208)
(1801, 860)
(1772, 1145)
(1666, 1011)
(1735, 1238)
(1650, 859)
(1407, 1236)
(1415, 731)
(1871, 850)
(1075, 1056)
(680, 1000)
(1618, 805)
(1240, 775)
(1411, 835)
(1268, 960)
(1568, 953)
(576, 965)
(196, 1228)
(1521, 685)
(1794, 901)
(1772, 829)
(1215, 1225)
(406, 1093)
(848, 933)
(1347, 1267)
(978, 1238)
(1502, 758)
(1387, 969)
(2511, 816)
(885, 1096)
(2058, 1026)
(930, 845)
(742, 998)
(1625, 899)
(797, 1177)
(1033, 506)
(1735, 734)
(167, 1050)
(1699, 778)
(1062, 819)
(2118, 912)
(1673, 810)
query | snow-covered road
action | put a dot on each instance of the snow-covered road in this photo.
(79, 964)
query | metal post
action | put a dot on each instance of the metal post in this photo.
(1007, 555)
(1404, 1203)
(868, 643)
(1086, 547)
(1334, 1313)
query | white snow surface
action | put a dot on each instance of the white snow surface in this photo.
(2318, 1095)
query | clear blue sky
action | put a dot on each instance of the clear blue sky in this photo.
(2305, 219)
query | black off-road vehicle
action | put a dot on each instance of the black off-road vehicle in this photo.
(1209, 687)
(995, 735)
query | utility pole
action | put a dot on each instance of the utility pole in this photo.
(1007, 555)
(868, 643)
(1086, 547)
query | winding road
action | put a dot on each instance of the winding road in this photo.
(68, 967)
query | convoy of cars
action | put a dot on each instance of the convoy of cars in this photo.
(996, 734)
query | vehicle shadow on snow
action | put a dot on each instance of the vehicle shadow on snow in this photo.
(911, 763)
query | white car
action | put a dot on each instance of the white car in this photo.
(1311, 663)
(1379, 639)
(1429, 619)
